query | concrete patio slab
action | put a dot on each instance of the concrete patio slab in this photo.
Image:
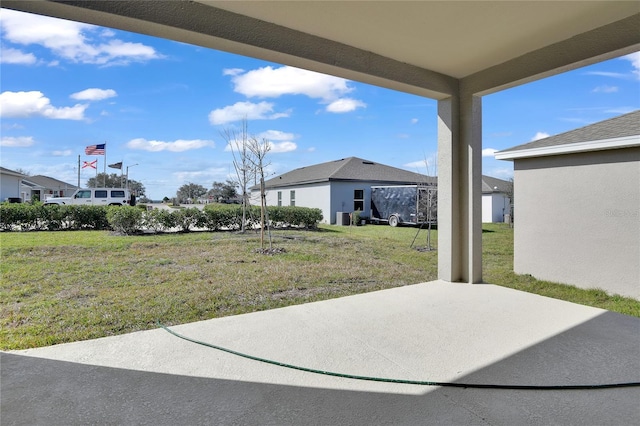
(434, 331)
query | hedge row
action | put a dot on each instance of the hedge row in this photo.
(130, 220)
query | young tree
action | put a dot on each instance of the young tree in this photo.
(190, 192)
(259, 150)
(243, 163)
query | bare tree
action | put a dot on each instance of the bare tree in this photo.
(259, 150)
(243, 163)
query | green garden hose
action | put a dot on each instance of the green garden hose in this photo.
(403, 381)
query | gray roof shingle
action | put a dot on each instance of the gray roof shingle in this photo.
(617, 127)
(357, 169)
(348, 169)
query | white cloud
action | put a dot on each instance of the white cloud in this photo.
(605, 89)
(176, 146)
(33, 104)
(634, 58)
(488, 152)
(16, 142)
(414, 121)
(416, 164)
(271, 82)
(540, 135)
(620, 110)
(501, 173)
(345, 105)
(280, 147)
(241, 110)
(429, 165)
(15, 56)
(94, 94)
(276, 135)
(608, 74)
(64, 153)
(71, 40)
(232, 71)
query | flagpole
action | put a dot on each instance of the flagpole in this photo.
(104, 181)
(78, 171)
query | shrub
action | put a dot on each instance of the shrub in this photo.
(86, 217)
(159, 220)
(188, 218)
(125, 219)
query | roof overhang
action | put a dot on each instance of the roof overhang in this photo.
(572, 148)
(429, 48)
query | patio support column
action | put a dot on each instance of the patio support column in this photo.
(460, 189)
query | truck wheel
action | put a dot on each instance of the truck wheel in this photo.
(393, 221)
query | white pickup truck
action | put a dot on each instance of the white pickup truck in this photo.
(96, 197)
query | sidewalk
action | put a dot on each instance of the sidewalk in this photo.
(434, 331)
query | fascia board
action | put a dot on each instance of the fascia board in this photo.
(543, 151)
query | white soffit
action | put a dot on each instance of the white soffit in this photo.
(429, 48)
(455, 38)
(572, 148)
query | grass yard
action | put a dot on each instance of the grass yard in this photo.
(67, 286)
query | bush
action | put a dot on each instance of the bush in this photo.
(222, 216)
(125, 219)
(86, 217)
(159, 220)
(188, 218)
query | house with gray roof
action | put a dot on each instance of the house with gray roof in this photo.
(577, 219)
(43, 187)
(344, 185)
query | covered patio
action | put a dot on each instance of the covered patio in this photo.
(435, 331)
(454, 52)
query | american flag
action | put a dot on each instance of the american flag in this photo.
(95, 149)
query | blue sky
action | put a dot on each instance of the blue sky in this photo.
(164, 106)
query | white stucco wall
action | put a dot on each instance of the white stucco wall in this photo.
(577, 219)
(330, 197)
(312, 196)
(494, 207)
(9, 186)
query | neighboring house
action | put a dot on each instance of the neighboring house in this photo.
(577, 219)
(10, 185)
(345, 186)
(336, 186)
(496, 200)
(43, 187)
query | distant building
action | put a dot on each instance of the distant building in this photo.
(10, 185)
(42, 187)
(345, 186)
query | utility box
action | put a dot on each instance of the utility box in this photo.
(343, 219)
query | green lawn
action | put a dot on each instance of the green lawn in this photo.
(67, 286)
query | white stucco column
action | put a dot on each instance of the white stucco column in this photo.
(460, 189)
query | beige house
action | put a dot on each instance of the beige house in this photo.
(577, 219)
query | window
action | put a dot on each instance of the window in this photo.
(101, 194)
(117, 194)
(358, 199)
(83, 194)
(279, 198)
(292, 197)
